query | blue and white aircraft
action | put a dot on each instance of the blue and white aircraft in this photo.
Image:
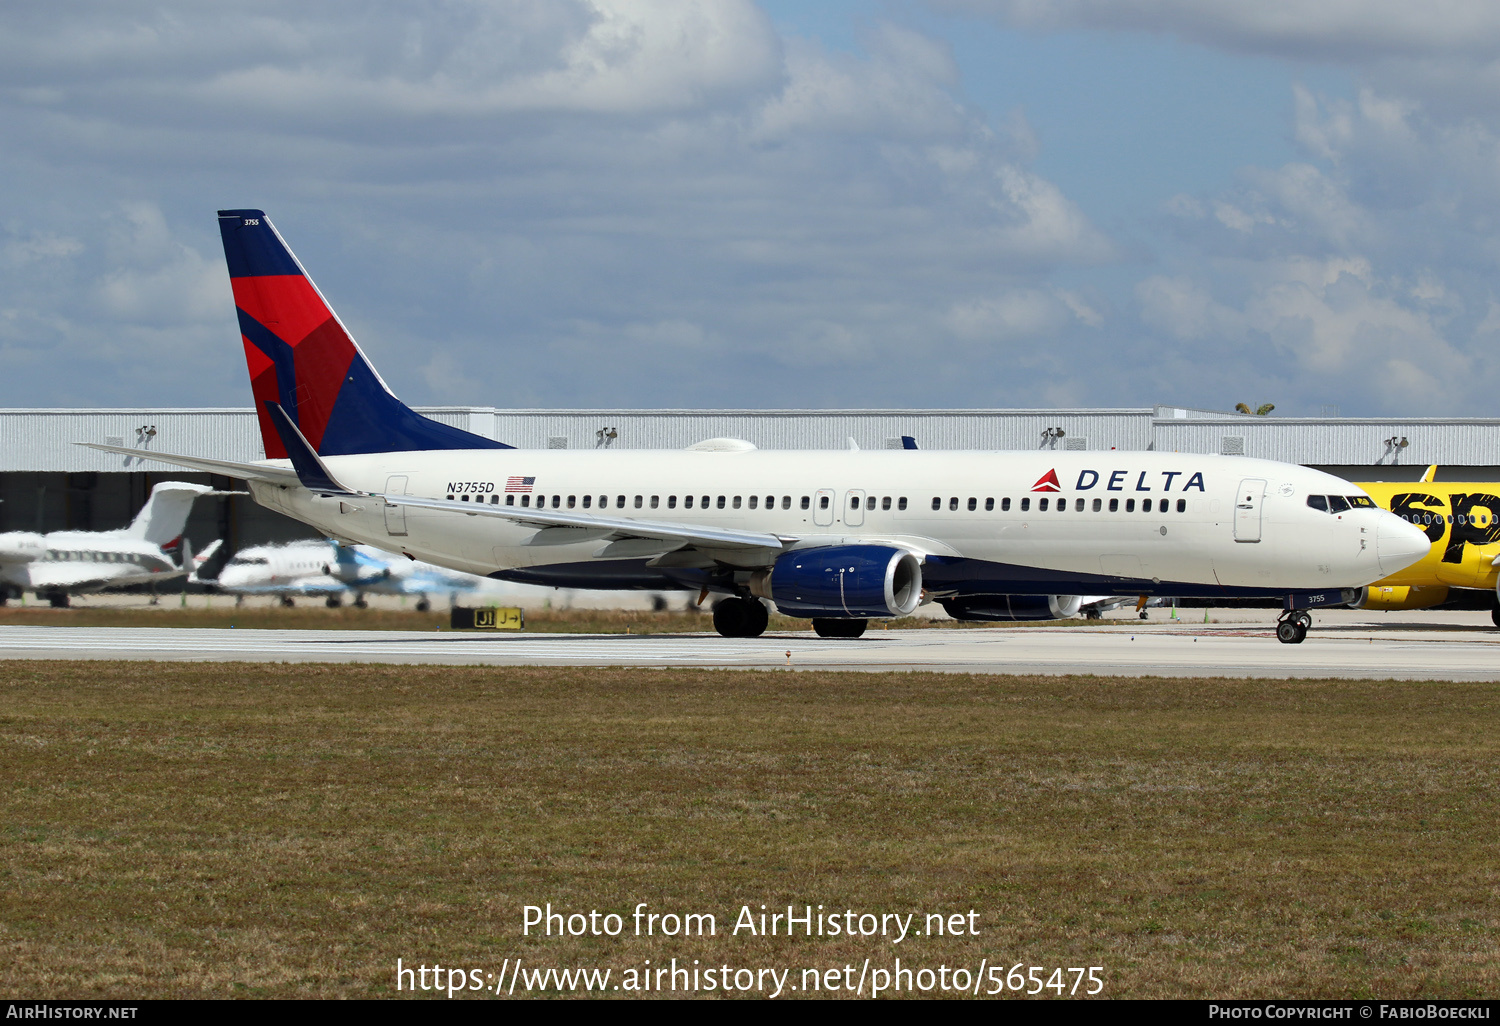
(331, 571)
(841, 537)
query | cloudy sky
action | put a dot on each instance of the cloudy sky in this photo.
(725, 203)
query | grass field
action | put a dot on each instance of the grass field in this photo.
(247, 830)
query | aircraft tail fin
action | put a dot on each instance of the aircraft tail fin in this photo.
(1431, 474)
(165, 514)
(302, 358)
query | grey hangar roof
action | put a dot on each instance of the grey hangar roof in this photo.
(43, 439)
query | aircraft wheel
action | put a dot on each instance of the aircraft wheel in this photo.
(759, 619)
(840, 628)
(733, 618)
(333, 602)
(1290, 632)
(1495, 615)
(59, 600)
(287, 602)
(1304, 620)
(361, 603)
(423, 606)
(1142, 614)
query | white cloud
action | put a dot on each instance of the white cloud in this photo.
(1330, 29)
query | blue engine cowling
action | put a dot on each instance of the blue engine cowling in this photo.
(843, 581)
(1013, 607)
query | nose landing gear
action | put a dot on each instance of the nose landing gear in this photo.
(1291, 627)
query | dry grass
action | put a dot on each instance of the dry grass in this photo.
(292, 830)
(318, 617)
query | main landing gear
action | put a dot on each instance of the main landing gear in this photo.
(830, 628)
(740, 618)
(1291, 627)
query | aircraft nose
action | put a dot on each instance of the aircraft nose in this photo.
(1399, 544)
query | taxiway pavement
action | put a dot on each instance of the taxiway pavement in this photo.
(1351, 650)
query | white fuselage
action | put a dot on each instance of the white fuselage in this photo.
(1166, 518)
(80, 560)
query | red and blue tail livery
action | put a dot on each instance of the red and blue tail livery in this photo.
(302, 358)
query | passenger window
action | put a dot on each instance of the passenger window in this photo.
(510, 500)
(587, 499)
(786, 502)
(463, 498)
(973, 504)
(655, 501)
(704, 503)
(1005, 504)
(1062, 505)
(1098, 505)
(806, 502)
(854, 502)
(637, 502)
(572, 501)
(901, 502)
(1145, 505)
(1182, 505)
(885, 503)
(1337, 504)
(822, 502)
(989, 505)
(619, 502)
(1078, 506)
(526, 500)
(556, 501)
(771, 502)
(1114, 505)
(870, 502)
(736, 502)
(671, 502)
(937, 503)
(1041, 505)
(1318, 502)
(1129, 505)
(754, 500)
(1025, 503)
(953, 502)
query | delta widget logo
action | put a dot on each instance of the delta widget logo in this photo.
(1047, 482)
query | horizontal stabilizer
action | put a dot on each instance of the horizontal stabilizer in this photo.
(311, 471)
(204, 465)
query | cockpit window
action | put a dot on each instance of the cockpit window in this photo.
(1319, 502)
(1361, 501)
(1337, 504)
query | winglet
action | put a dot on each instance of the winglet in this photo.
(315, 477)
(1431, 474)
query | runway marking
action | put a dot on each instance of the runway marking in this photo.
(1128, 651)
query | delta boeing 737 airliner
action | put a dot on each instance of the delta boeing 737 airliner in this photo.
(841, 537)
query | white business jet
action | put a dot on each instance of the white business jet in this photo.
(841, 537)
(59, 564)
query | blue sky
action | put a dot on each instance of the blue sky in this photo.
(665, 203)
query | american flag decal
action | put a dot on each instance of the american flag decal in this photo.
(519, 484)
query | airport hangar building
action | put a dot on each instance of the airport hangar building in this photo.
(49, 483)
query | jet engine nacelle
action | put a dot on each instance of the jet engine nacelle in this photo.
(21, 546)
(1373, 597)
(842, 581)
(1013, 607)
